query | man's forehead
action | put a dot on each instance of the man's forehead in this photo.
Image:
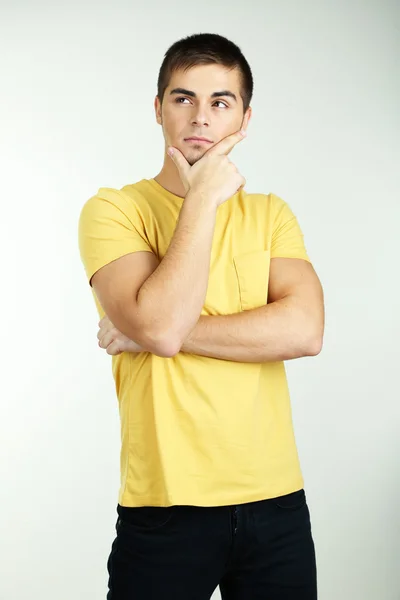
(206, 78)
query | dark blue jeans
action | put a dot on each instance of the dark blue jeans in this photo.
(255, 551)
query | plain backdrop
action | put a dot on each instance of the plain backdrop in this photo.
(77, 88)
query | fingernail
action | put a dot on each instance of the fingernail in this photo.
(170, 151)
(243, 133)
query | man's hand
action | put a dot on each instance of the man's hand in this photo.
(214, 176)
(113, 341)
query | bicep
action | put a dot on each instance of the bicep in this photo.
(117, 285)
(294, 276)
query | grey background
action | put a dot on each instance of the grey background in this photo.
(77, 88)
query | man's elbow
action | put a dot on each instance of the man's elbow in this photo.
(149, 338)
(314, 345)
(166, 348)
(313, 333)
(164, 345)
(165, 342)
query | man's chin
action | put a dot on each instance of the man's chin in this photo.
(195, 155)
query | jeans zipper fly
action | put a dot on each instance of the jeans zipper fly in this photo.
(234, 520)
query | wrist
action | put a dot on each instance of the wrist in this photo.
(202, 198)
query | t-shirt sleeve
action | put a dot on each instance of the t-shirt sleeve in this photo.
(287, 237)
(110, 226)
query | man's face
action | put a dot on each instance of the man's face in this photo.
(202, 102)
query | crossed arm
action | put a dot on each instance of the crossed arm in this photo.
(290, 326)
(157, 304)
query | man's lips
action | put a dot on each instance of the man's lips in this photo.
(198, 139)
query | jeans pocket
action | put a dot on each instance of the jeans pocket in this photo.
(143, 518)
(292, 501)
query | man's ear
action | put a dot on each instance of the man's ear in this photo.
(246, 118)
(157, 108)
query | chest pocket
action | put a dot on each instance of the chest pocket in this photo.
(252, 271)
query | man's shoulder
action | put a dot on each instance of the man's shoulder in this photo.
(264, 197)
(132, 191)
(125, 198)
(260, 201)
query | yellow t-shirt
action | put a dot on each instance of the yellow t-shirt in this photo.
(197, 430)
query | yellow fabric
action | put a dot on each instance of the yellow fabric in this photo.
(197, 430)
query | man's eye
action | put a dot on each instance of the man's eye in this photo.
(181, 98)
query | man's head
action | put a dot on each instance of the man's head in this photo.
(205, 86)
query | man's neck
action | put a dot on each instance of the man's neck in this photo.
(169, 179)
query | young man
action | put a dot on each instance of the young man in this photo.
(204, 291)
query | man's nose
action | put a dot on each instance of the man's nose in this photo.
(200, 117)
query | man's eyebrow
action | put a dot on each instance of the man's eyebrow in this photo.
(214, 95)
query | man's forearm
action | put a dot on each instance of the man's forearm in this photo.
(278, 331)
(175, 292)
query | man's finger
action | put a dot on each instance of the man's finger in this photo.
(103, 321)
(106, 339)
(225, 145)
(180, 161)
(113, 349)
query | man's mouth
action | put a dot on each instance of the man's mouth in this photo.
(198, 140)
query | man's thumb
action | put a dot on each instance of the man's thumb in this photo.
(179, 160)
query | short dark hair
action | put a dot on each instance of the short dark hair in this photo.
(203, 49)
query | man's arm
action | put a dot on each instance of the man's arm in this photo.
(157, 303)
(157, 306)
(291, 325)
